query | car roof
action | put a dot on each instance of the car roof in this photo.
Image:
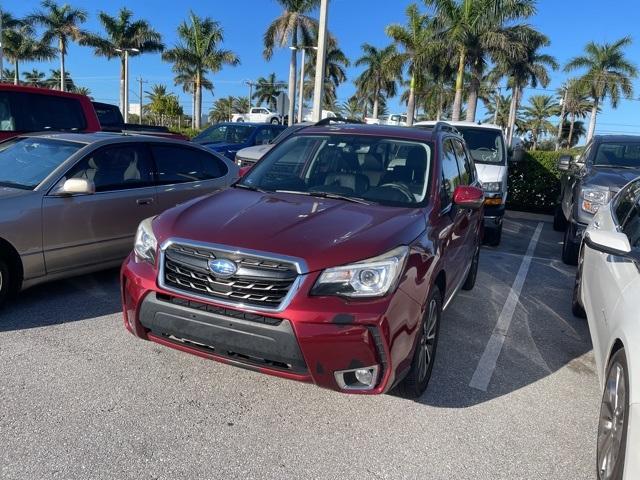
(103, 137)
(459, 123)
(249, 124)
(617, 138)
(39, 91)
(372, 130)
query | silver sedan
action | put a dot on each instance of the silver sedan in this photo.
(70, 203)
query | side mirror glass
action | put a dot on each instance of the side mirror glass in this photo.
(76, 186)
(468, 197)
(563, 162)
(613, 243)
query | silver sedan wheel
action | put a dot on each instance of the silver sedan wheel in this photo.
(1, 279)
(427, 340)
(612, 418)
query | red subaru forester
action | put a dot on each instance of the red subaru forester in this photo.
(330, 261)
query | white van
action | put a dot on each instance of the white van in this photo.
(488, 148)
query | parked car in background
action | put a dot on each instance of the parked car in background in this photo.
(70, 203)
(111, 120)
(589, 182)
(315, 269)
(258, 115)
(393, 119)
(307, 114)
(30, 109)
(607, 290)
(228, 137)
(489, 150)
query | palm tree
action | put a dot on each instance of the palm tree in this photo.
(199, 49)
(222, 110)
(497, 107)
(9, 22)
(20, 45)
(185, 76)
(268, 90)
(378, 75)
(34, 78)
(240, 104)
(571, 133)
(82, 91)
(476, 28)
(608, 74)
(61, 24)
(537, 114)
(123, 34)
(419, 47)
(293, 28)
(162, 103)
(55, 80)
(336, 63)
(7, 75)
(577, 105)
(351, 108)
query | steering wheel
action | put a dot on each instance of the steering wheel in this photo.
(402, 189)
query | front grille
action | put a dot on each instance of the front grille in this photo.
(258, 281)
(243, 162)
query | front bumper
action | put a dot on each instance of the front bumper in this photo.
(309, 341)
(493, 215)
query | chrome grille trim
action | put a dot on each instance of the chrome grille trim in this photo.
(237, 299)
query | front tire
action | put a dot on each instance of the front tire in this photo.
(576, 305)
(240, 120)
(470, 281)
(559, 221)
(275, 121)
(569, 248)
(5, 281)
(614, 420)
(416, 381)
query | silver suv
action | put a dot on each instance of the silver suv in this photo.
(71, 203)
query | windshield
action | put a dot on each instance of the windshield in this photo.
(225, 134)
(25, 162)
(485, 145)
(377, 170)
(621, 155)
(288, 132)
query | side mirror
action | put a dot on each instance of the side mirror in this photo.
(563, 163)
(613, 243)
(468, 197)
(76, 186)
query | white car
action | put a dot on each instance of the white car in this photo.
(488, 148)
(258, 115)
(307, 115)
(247, 157)
(394, 119)
(607, 290)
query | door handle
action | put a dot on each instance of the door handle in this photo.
(144, 201)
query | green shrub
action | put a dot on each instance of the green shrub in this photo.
(186, 131)
(534, 183)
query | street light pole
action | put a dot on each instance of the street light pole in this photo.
(320, 61)
(301, 93)
(125, 107)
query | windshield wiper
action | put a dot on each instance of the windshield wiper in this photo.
(249, 187)
(15, 185)
(336, 196)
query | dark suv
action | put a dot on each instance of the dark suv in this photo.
(329, 262)
(589, 181)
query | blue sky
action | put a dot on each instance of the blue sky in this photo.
(570, 24)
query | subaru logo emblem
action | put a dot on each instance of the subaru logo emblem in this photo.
(222, 268)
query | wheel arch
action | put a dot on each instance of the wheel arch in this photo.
(11, 255)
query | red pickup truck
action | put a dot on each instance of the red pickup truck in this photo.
(30, 109)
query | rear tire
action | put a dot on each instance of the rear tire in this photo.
(569, 249)
(473, 272)
(5, 281)
(576, 306)
(559, 222)
(239, 120)
(275, 121)
(416, 381)
(614, 421)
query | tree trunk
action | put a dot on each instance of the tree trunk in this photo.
(439, 110)
(592, 120)
(193, 108)
(474, 89)
(16, 74)
(457, 101)
(375, 103)
(513, 113)
(198, 105)
(122, 85)
(411, 104)
(562, 113)
(571, 123)
(293, 68)
(62, 83)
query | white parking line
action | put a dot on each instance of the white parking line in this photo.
(487, 364)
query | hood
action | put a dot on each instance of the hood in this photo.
(323, 232)
(8, 192)
(254, 153)
(612, 178)
(490, 173)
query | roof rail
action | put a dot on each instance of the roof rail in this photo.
(445, 127)
(330, 120)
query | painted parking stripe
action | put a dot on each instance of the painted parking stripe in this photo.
(487, 364)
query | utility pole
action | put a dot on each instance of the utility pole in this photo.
(251, 84)
(563, 102)
(320, 61)
(141, 81)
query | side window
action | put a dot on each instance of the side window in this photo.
(177, 164)
(450, 173)
(264, 135)
(464, 165)
(632, 227)
(118, 167)
(624, 205)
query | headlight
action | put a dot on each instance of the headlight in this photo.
(593, 199)
(374, 277)
(492, 187)
(145, 245)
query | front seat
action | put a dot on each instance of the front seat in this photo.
(347, 175)
(372, 167)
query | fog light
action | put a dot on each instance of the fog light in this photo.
(364, 378)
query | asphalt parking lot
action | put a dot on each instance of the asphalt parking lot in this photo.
(80, 398)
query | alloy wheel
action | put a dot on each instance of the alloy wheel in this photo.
(1, 280)
(612, 418)
(427, 340)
